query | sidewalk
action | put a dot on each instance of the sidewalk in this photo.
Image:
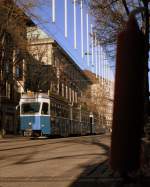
(102, 176)
(95, 174)
(110, 182)
(11, 138)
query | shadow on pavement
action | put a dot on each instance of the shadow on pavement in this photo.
(101, 175)
(26, 158)
(72, 142)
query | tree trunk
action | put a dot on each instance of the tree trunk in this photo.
(128, 114)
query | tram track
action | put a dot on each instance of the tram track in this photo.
(46, 142)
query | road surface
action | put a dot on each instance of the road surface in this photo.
(51, 162)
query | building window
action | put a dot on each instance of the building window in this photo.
(70, 99)
(60, 89)
(8, 90)
(6, 67)
(73, 99)
(54, 62)
(19, 71)
(66, 92)
(76, 99)
(63, 90)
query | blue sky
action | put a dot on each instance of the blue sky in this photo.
(56, 30)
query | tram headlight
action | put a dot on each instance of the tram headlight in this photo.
(30, 123)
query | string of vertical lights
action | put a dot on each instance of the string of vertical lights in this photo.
(105, 70)
(53, 11)
(53, 4)
(101, 51)
(97, 56)
(99, 60)
(92, 54)
(103, 84)
(65, 32)
(95, 53)
(75, 23)
(92, 44)
(81, 11)
(66, 18)
(53, 19)
(87, 36)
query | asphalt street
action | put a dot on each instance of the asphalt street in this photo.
(52, 162)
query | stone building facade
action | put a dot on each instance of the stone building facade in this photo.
(59, 72)
(102, 98)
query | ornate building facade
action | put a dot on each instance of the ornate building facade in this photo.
(101, 91)
(54, 69)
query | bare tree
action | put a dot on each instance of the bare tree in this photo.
(111, 17)
(13, 47)
(13, 33)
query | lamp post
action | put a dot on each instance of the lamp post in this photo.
(91, 122)
(58, 79)
(71, 118)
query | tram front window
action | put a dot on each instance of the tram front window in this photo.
(30, 108)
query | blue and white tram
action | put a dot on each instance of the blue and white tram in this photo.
(44, 115)
(35, 114)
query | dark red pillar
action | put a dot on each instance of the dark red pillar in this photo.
(128, 111)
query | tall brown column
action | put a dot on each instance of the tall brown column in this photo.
(128, 113)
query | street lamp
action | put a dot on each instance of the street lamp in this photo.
(91, 122)
(58, 78)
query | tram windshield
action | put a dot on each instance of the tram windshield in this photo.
(30, 108)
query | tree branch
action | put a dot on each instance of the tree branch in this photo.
(126, 7)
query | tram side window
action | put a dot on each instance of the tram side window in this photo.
(44, 109)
